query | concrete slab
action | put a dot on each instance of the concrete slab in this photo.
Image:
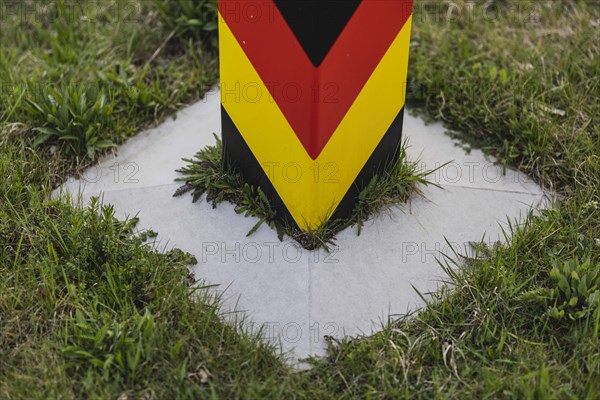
(298, 296)
(372, 276)
(457, 167)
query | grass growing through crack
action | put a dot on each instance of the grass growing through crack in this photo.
(207, 174)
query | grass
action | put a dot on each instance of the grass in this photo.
(525, 88)
(535, 85)
(83, 77)
(89, 309)
(207, 174)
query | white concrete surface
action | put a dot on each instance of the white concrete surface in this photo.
(296, 295)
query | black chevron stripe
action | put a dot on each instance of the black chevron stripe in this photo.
(317, 23)
(237, 154)
(384, 154)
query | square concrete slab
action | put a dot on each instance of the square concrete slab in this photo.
(299, 296)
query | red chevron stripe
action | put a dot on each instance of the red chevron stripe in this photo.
(314, 100)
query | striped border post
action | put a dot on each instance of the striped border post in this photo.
(312, 96)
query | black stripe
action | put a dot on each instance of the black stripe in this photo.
(386, 152)
(237, 154)
(317, 23)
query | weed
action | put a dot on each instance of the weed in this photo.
(207, 174)
(76, 118)
(575, 291)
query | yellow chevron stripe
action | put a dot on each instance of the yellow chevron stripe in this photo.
(312, 189)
